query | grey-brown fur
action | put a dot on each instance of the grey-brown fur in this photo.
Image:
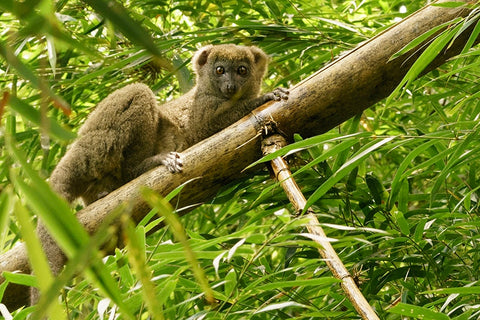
(128, 133)
(118, 134)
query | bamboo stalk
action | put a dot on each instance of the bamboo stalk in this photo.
(273, 141)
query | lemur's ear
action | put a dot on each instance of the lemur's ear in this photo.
(201, 57)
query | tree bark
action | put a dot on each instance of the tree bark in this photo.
(329, 97)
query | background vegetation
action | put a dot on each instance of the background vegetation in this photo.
(406, 220)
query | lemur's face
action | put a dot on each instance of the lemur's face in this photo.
(230, 78)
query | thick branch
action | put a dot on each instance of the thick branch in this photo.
(329, 97)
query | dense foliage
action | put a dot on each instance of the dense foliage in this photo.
(405, 218)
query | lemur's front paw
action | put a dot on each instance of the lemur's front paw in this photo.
(173, 161)
(280, 94)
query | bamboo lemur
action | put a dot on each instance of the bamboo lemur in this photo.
(128, 133)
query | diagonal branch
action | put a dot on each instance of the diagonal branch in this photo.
(273, 141)
(329, 97)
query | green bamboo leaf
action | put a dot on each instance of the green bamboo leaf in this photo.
(345, 169)
(135, 241)
(456, 290)
(28, 74)
(431, 161)
(419, 229)
(466, 199)
(121, 63)
(307, 143)
(412, 311)
(459, 69)
(166, 290)
(376, 188)
(120, 17)
(61, 228)
(403, 196)
(52, 54)
(315, 282)
(344, 145)
(62, 224)
(457, 156)
(20, 278)
(72, 243)
(342, 155)
(147, 220)
(165, 209)
(400, 221)
(467, 24)
(427, 56)
(449, 4)
(87, 259)
(230, 283)
(351, 184)
(313, 151)
(342, 25)
(33, 115)
(473, 37)
(38, 260)
(280, 305)
(54, 211)
(341, 148)
(419, 40)
(5, 211)
(399, 175)
(464, 316)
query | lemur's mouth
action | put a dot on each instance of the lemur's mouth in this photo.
(232, 95)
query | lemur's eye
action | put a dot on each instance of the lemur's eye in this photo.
(220, 70)
(242, 70)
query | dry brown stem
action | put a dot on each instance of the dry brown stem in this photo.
(272, 141)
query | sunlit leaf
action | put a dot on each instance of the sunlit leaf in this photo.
(417, 312)
(281, 305)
